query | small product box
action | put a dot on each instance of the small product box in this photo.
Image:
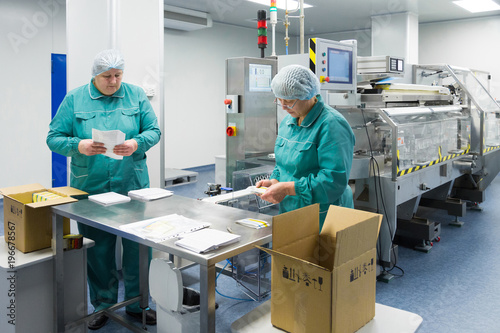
(323, 282)
(27, 214)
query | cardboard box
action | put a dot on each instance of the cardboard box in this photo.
(28, 224)
(323, 282)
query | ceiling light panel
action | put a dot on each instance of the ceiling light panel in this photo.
(478, 6)
(280, 4)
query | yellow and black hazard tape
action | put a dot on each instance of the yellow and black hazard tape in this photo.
(439, 160)
(490, 149)
(312, 54)
(416, 168)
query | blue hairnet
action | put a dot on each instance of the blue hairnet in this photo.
(295, 82)
(106, 60)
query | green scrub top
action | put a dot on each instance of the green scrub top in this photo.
(317, 156)
(127, 110)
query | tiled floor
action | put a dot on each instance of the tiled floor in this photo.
(455, 287)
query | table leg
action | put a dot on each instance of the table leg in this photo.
(143, 281)
(57, 250)
(207, 298)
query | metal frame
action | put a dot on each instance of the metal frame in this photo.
(110, 219)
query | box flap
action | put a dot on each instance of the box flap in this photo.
(292, 226)
(52, 202)
(68, 191)
(354, 232)
(283, 255)
(22, 189)
(304, 249)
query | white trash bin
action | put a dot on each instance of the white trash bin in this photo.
(177, 307)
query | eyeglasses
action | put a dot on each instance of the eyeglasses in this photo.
(279, 102)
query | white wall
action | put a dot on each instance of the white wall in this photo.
(467, 43)
(30, 31)
(396, 35)
(195, 89)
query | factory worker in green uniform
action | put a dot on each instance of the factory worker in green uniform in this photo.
(313, 149)
(106, 103)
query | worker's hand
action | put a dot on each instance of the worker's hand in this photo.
(265, 183)
(126, 149)
(89, 147)
(278, 191)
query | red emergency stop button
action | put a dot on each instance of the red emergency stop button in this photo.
(324, 79)
(231, 131)
(227, 101)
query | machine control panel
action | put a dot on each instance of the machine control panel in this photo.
(334, 64)
(381, 65)
(231, 104)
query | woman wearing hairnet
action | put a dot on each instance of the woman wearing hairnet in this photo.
(313, 150)
(107, 103)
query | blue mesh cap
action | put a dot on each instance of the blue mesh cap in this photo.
(106, 60)
(295, 82)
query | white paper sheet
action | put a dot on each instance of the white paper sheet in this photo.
(148, 194)
(206, 240)
(110, 140)
(109, 198)
(164, 227)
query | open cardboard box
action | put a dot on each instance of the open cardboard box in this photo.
(323, 282)
(28, 224)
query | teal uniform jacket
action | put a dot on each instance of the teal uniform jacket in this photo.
(317, 156)
(127, 110)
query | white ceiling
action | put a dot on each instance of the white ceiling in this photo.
(328, 16)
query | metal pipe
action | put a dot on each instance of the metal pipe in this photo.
(286, 23)
(273, 53)
(301, 26)
(273, 19)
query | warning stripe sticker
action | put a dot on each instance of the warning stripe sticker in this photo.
(420, 167)
(490, 149)
(312, 54)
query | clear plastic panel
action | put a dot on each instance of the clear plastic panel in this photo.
(473, 87)
(492, 138)
(426, 137)
(464, 134)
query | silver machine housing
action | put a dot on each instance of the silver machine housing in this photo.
(254, 118)
(431, 139)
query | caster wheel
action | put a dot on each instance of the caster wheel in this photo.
(438, 239)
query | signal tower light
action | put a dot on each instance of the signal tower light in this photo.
(262, 31)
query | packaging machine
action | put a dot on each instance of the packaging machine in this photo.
(425, 136)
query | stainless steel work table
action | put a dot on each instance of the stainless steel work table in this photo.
(110, 219)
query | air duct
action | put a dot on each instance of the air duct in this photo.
(185, 19)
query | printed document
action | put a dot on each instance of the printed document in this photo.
(164, 227)
(110, 140)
